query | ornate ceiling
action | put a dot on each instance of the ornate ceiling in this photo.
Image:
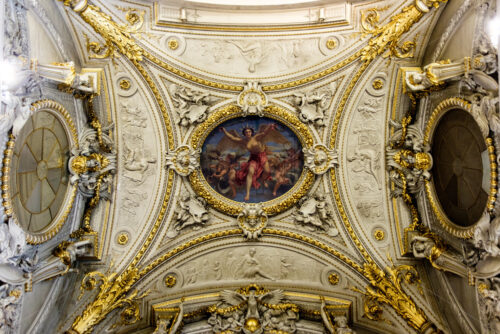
(255, 170)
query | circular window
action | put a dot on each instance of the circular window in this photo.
(41, 177)
(457, 149)
(36, 190)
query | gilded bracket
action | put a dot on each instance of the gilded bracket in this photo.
(116, 36)
(385, 40)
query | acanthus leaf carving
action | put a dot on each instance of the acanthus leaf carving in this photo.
(385, 39)
(117, 36)
(112, 295)
(386, 288)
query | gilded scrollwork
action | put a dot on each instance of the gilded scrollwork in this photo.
(386, 288)
(112, 290)
(385, 39)
(117, 36)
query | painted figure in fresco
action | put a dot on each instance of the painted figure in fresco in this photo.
(257, 167)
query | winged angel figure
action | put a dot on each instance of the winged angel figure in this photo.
(262, 311)
(257, 165)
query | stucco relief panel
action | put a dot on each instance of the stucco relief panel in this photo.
(139, 162)
(244, 57)
(363, 155)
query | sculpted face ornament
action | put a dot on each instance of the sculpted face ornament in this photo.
(252, 220)
(183, 160)
(320, 159)
(252, 100)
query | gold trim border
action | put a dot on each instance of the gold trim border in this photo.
(492, 197)
(439, 111)
(48, 233)
(228, 206)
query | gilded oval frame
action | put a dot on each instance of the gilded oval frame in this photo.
(231, 207)
(51, 230)
(439, 111)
